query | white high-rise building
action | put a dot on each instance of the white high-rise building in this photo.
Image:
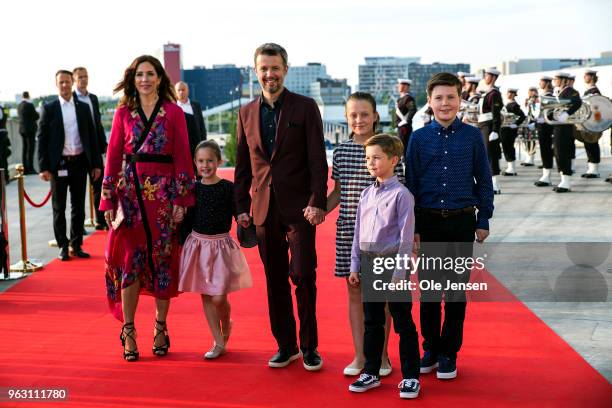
(299, 78)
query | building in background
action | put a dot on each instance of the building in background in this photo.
(214, 86)
(330, 91)
(299, 78)
(171, 60)
(379, 75)
(527, 65)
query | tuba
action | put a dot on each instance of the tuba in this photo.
(594, 115)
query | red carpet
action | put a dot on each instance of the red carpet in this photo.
(57, 333)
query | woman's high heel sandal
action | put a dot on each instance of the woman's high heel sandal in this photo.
(128, 331)
(162, 330)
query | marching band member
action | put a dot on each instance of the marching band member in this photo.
(463, 78)
(530, 104)
(592, 149)
(489, 122)
(509, 133)
(405, 110)
(572, 79)
(563, 133)
(545, 132)
(473, 96)
(472, 89)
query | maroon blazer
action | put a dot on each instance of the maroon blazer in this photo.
(297, 170)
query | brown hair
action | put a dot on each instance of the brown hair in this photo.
(594, 78)
(63, 71)
(77, 69)
(128, 83)
(270, 49)
(391, 145)
(209, 144)
(364, 96)
(443, 79)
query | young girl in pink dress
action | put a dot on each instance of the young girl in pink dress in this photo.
(211, 262)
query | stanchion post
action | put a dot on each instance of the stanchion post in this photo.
(25, 265)
(6, 250)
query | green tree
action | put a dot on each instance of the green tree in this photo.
(231, 144)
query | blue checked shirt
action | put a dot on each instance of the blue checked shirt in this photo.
(449, 169)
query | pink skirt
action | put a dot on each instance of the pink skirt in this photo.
(213, 265)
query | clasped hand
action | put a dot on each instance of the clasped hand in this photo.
(314, 215)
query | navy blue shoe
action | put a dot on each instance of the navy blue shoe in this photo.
(364, 383)
(447, 368)
(428, 362)
(409, 388)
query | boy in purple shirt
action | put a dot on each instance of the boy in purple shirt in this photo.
(384, 230)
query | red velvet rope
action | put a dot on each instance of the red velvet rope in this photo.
(32, 203)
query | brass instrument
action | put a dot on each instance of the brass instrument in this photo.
(469, 111)
(509, 119)
(594, 115)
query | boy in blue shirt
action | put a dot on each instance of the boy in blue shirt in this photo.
(448, 173)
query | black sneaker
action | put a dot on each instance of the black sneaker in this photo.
(284, 357)
(447, 368)
(364, 383)
(409, 388)
(428, 362)
(312, 360)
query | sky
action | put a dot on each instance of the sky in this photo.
(40, 37)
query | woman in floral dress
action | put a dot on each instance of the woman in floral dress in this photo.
(142, 255)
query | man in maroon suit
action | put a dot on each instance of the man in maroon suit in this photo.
(281, 158)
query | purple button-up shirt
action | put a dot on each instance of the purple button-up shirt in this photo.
(385, 222)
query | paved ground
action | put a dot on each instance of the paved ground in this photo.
(523, 213)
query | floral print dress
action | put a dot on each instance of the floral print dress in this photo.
(162, 186)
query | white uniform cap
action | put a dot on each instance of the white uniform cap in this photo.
(571, 76)
(545, 78)
(462, 74)
(561, 74)
(404, 81)
(514, 90)
(472, 80)
(590, 72)
(492, 71)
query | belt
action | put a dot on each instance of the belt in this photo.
(444, 213)
(72, 157)
(148, 158)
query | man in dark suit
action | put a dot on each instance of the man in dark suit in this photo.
(67, 152)
(281, 158)
(27, 129)
(193, 115)
(81, 80)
